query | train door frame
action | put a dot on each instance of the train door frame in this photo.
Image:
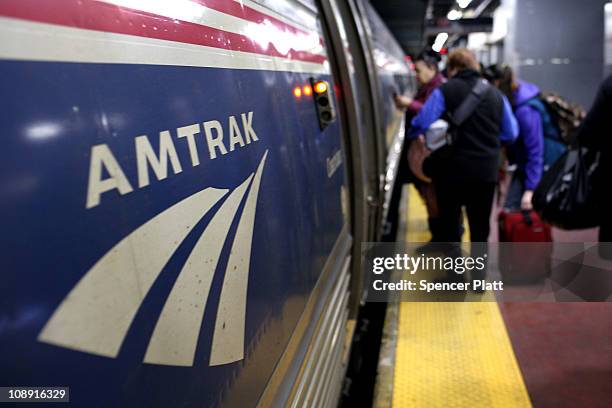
(288, 382)
(388, 155)
(371, 150)
(368, 167)
(365, 34)
(361, 118)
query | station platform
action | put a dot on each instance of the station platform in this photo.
(490, 354)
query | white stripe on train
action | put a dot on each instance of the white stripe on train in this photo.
(263, 33)
(297, 14)
(33, 41)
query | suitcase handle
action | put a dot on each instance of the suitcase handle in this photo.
(527, 217)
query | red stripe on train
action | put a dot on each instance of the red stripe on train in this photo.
(239, 10)
(99, 16)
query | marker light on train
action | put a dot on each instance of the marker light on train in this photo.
(297, 92)
(320, 87)
(323, 100)
(307, 90)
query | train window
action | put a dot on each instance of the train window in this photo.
(392, 72)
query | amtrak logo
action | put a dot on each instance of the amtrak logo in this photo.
(96, 315)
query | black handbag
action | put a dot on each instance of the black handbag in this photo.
(566, 195)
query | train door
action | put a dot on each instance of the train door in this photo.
(311, 372)
(391, 75)
(361, 117)
(373, 69)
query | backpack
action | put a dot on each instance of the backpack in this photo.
(554, 147)
(565, 115)
(444, 132)
(560, 122)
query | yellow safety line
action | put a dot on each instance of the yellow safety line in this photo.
(452, 353)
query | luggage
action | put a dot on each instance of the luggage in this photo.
(417, 153)
(566, 195)
(565, 115)
(441, 135)
(523, 264)
(522, 226)
(560, 122)
(554, 144)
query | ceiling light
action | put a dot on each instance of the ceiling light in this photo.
(439, 42)
(454, 14)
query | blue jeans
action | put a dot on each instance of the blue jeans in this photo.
(515, 192)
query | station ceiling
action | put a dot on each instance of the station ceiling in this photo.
(413, 22)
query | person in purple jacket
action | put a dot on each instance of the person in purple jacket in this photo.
(527, 153)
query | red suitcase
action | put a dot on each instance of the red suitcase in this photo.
(524, 264)
(523, 226)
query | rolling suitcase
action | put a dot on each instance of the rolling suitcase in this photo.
(524, 263)
(523, 226)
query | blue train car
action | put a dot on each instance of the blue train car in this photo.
(181, 220)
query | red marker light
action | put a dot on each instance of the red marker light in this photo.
(307, 90)
(320, 87)
(297, 92)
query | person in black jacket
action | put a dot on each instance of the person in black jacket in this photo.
(595, 134)
(465, 174)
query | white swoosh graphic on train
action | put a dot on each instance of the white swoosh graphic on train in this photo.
(97, 313)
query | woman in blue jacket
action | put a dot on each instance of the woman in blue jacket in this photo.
(527, 153)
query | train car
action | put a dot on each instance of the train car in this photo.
(184, 189)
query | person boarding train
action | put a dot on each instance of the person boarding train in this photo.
(465, 173)
(429, 79)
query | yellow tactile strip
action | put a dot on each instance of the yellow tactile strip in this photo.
(416, 228)
(454, 354)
